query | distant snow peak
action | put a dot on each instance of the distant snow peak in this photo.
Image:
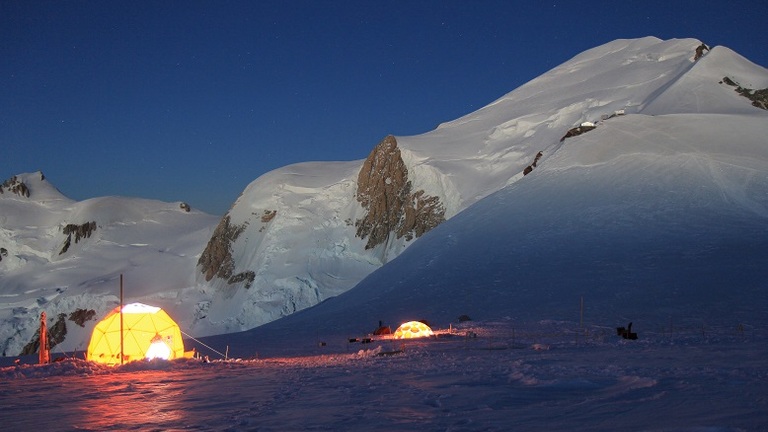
(63, 257)
(391, 206)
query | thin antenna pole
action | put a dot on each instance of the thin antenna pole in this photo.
(121, 318)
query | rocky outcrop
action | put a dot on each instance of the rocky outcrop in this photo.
(578, 130)
(391, 205)
(247, 276)
(759, 98)
(268, 216)
(14, 185)
(3, 253)
(530, 167)
(56, 335)
(216, 259)
(184, 206)
(80, 316)
(79, 231)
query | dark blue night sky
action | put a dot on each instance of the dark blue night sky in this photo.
(192, 100)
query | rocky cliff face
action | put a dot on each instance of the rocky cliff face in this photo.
(216, 259)
(391, 205)
(57, 331)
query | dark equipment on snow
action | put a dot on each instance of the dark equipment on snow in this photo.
(626, 333)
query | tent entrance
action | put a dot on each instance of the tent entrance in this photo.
(159, 349)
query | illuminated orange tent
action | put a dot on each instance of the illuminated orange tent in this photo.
(148, 333)
(412, 329)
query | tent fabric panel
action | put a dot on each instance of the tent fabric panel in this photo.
(412, 329)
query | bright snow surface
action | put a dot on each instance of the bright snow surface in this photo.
(657, 217)
(545, 376)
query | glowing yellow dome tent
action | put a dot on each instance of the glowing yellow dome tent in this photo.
(412, 329)
(148, 332)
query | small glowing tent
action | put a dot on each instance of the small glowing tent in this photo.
(148, 332)
(412, 329)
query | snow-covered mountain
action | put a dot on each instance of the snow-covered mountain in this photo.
(308, 232)
(66, 257)
(632, 175)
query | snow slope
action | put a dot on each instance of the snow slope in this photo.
(155, 246)
(643, 226)
(685, 163)
(493, 382)
(309, 252)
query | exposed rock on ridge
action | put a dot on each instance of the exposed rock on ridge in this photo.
(57, 332)
(392, 207)
(247, 276)
(759, 98)
(530, 167)
(216, 259)
(16, 186)
(80, 232)
(578, 130)
(80, 316)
